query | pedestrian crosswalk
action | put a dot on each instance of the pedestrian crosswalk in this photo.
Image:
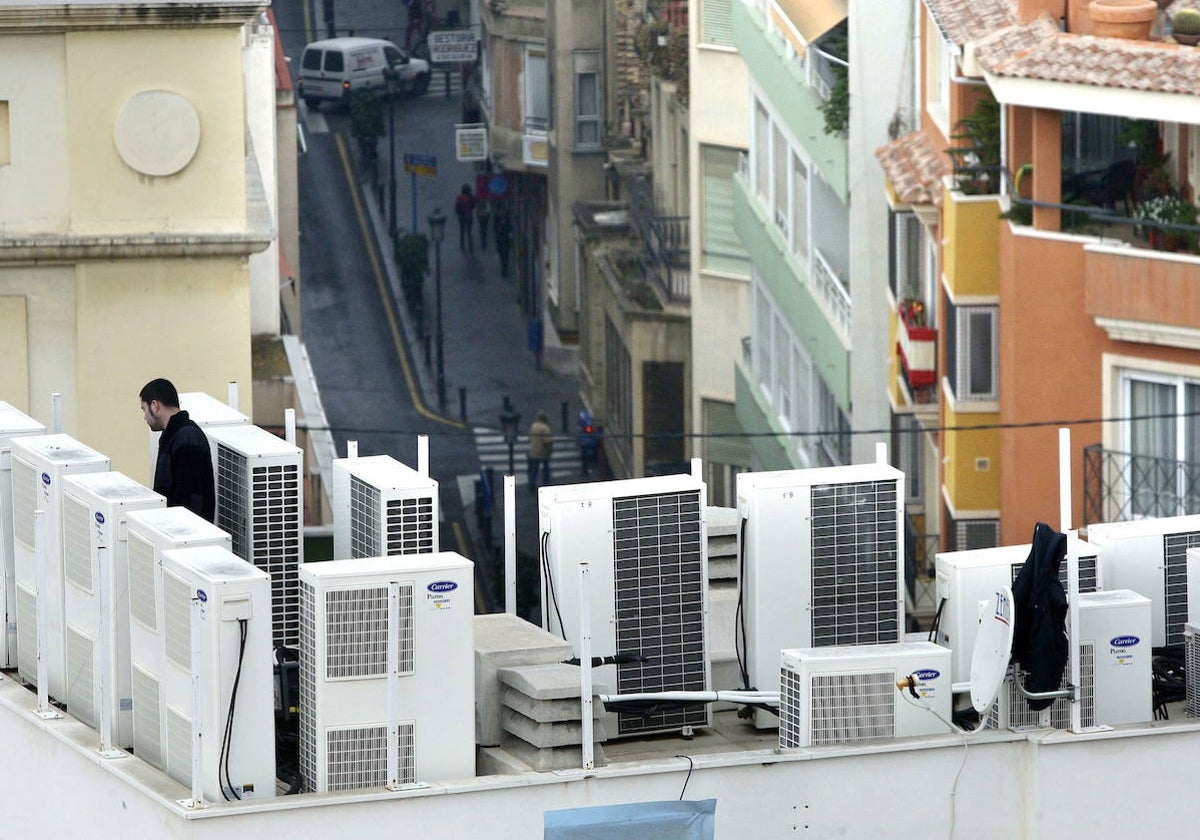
(440, 78)
(493, 452)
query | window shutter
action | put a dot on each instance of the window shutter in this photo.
(716, 19)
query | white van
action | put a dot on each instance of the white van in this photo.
(331, 69)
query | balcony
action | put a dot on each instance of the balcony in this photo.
(1119, 486)
(667, 256)
(917, 348)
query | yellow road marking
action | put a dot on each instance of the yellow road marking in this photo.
(401, 351)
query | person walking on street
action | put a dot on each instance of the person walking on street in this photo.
(464, 208)
(541, 445)
(483, 212)
(503, 238)
(183, 472)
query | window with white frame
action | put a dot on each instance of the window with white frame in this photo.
(1162, 438)
(972, 352)
(908, 442)
(939, 69)
(588, 122)
(799, 206)
(762, 338)
(802, 374)
(721, 249)
(716, 22)
(834, 427)
(906, 255)
(762, 157)
(537, 91)
(782, 365)
(779, 180)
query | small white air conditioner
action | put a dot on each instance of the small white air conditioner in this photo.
(965, 579)
(645, 541)
(233, 670)
(1149, 556)
(823, 557)
(13, 423)
(1191, 668)
(1114, 669)
(260, 502)
(95, 564)
(207, 412)
(151, 532)
(843, 694)
(39, 465)
(348, 610)
(382, 508)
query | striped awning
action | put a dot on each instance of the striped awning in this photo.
(813, 18)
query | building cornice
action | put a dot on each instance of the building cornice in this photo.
(68, 16)
(1143, 332)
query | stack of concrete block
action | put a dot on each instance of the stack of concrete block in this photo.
(722, 597)
(542, 716)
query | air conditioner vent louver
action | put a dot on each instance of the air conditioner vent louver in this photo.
(179, 747)
(1191, 670)
(1088, 575)
(410, 526)
(659, 577)
(356, 633)
(1175, 582)
(81, 677)
(308, 685)
(143, 597)
(177, 621)
(364, 519)
(26, 633)
(855, 541)
(77, 550)
(147, 735)
(24, 502)
(853, 707)
(357, 757)
(231, 497)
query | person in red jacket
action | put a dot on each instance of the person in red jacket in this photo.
(464, 208)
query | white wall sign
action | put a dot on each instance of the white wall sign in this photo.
(453, 45)
(471, 142)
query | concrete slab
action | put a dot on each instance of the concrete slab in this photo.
(546, 682)
(555, 758)
(547, 711)
(503, 640)
(543, 735)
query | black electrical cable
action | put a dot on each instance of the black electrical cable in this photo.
(1169, 679)
(688, 777)
(223, 760)
(937, 621)
(739, 614)
(562, 630)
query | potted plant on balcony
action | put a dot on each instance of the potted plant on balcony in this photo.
(1168, 209)
(916, 344)
(1185, 27)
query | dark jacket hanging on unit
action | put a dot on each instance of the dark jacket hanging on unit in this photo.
(1040, 611)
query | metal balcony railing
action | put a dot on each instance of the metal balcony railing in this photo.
(665, 237)
(831, 290)
(1119, 486)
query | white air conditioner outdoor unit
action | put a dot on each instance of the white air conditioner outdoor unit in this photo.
(1114, 669)
(843, 694)
(646, 545)
(151, 532)
(1191, 667)
(965, 579)
(349, 609)
(260, 502)
(207, 412)
(13, 423)
(39, 465)
(1149, 556)
(823, 557)
(233, 670)
(382, 508)
(95, 564)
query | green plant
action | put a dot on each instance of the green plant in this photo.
(1167, 209)
(977, 155)
(366, 122)
(836, 109)
(412, 261)
(665, 50)
(1186, 22)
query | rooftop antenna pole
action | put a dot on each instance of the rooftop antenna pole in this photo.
(1064, 513)
(393, 686)
(44, 710)
(351, 449)
(197, 645)
(104, 638)
(56, 413)
(510, 544)
(585, 665)
(232, 395)
(289, 425)
(881, 453)
(423, 455)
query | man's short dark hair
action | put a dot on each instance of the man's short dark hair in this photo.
(161, 390)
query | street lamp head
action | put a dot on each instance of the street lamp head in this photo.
(437, 225)
(510, 421)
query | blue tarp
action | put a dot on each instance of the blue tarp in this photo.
(636, 821)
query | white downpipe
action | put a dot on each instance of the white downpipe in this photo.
(197, 639)
(351, 449)
(393, 686)
(232, 395)
(585, 666)
(42, 617)
(510, 544)
(1064, 480)
(56, 413)
(1064, 516)
(289, 425)
(423, 455)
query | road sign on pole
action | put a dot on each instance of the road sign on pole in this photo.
(420, 164)
(453, 45)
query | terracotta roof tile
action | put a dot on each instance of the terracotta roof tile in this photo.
(1039, 50)
(962, 21)
(915, 168)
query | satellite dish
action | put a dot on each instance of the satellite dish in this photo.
(993, 647)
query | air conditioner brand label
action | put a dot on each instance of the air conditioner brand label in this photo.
(438, 595)
(1122, 651)
(927, 674)
(1124, 641)
(99, 518)
(201, 595)
(46, 479)
(925, 686)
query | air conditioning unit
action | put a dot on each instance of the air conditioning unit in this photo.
(205, 411)
(843, 694)
(1149, 556)
(1114, 669)
(260, 502)
(236, 704)
(39, 466)
(382, 508)
(823, 555)
(13, 423)
(95, 565)
(1191, 667)
(646, 545)
(349, 610)
(151, 532)
(965, 579)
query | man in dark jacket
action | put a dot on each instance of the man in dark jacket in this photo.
(183, 472)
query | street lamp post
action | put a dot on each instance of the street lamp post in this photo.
(510, 424)
(437, 229)
(391, 89)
